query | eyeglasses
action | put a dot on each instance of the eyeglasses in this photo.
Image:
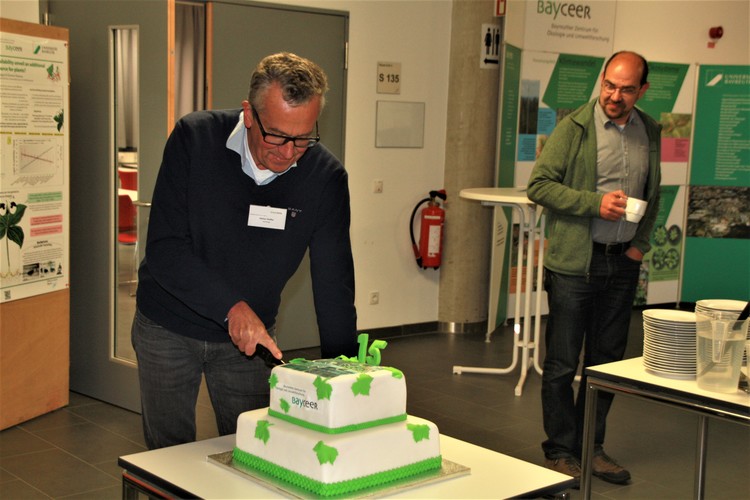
(280, 140)
(610, 88)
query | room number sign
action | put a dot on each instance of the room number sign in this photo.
(389, 78)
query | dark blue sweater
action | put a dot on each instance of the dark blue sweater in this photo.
(202, 256)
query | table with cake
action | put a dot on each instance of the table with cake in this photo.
(335, 428)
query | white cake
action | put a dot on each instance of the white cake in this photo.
(336, 426)
(336, 395)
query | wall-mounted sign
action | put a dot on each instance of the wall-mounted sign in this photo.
(389, 78)
(499, 8)
(584, 27)
(489, 51)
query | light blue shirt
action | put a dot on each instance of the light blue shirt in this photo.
(237, 142)
(621, 163)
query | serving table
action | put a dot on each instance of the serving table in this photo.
(184, 471)
(531, 222)
(630, 378)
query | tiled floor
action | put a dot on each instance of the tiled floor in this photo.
(72, 453)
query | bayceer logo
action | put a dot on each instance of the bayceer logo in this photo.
(304, 403)
(565, 9)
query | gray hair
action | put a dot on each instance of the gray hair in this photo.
(300, 79)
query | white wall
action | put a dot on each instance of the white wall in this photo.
(416, 34)
(20, 10)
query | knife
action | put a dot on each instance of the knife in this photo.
(264, 354)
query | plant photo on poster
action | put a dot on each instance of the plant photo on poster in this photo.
(719, 212)
(11, 232)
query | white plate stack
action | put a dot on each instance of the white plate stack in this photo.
(669, 343)
(723, 305)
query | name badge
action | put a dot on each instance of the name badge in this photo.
(268, 217)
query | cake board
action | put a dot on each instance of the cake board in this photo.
(448, 470)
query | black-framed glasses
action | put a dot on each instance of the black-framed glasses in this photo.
(280, 140)
(610, 88)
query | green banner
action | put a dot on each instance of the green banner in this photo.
(572, 81)
(716, 269)
(665, 82)
(721, 151)
(509, 119)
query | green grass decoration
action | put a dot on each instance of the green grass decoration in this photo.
(342, 488)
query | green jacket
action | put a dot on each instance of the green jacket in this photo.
(563, 181)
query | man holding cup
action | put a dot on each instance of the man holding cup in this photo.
(597, 159)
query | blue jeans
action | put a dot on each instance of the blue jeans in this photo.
(169, 370)
(590, 312)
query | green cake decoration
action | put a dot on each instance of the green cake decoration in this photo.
(326, 454)
(284, 405)
(322, 388)
(374, 358)
(262, 431)
(419, 431)
(395, 372)
(273, 380)
(362, 385)
(342, 488)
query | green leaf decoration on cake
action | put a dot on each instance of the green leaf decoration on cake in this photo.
(261, 430)
(273, 380)
(395, 372)
(326, 454)
(362, 385)
(419, 431)
(284, 404)
(323, 388)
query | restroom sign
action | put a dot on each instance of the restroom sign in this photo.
(490, 42)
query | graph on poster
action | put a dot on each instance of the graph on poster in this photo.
(37, 161)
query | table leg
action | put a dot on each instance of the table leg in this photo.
(589, 429)
(700, 457)
(518, 342)
(524, 341)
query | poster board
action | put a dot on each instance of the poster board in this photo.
(717, 243)
(34, 158)
(34, 304)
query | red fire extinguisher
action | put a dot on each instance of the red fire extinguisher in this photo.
(430, 249)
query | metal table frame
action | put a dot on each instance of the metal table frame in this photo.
(630, 378)
(524, 342)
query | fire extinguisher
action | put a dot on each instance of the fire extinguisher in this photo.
(430, 249)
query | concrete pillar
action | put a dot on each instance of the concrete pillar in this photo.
(469, 162)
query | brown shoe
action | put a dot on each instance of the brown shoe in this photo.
(607, 469)
(566, 465)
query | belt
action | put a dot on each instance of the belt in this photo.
(612, 248)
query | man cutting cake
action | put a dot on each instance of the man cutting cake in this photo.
(241, 196)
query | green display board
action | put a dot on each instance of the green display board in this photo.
(717, 247)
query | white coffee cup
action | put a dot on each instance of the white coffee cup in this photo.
(635, 209)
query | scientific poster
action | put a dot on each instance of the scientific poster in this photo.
(34, 161)
(718, 215)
